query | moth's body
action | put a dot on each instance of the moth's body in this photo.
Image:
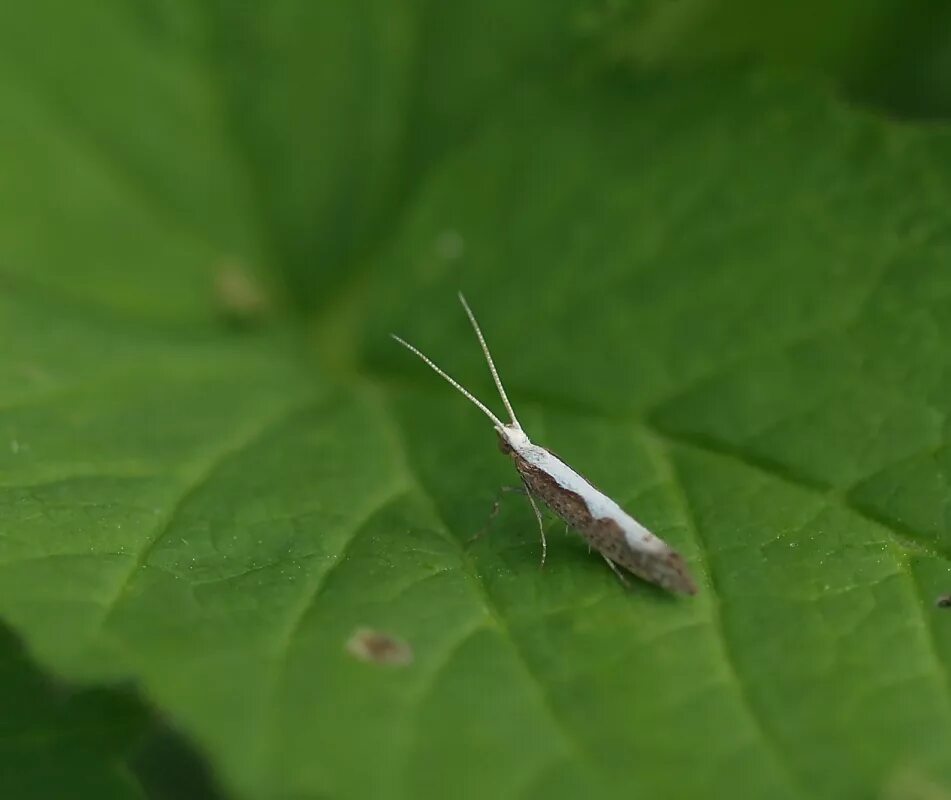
(601, 522)
(610, 530)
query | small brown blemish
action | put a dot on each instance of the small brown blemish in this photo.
(943, 601)
(238, 295)
(376, 647)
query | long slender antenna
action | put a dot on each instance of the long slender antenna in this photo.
(491, 363)
(465, 392)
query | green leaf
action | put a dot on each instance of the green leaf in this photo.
(740, 335)
(338, 109)
(889, 54)
(725, 299)
(848, 39)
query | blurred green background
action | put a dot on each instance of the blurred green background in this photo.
(709, 243)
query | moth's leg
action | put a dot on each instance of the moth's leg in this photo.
(541, 526)
(616, 571)
(495, 509)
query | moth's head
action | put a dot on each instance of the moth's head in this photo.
(511, 437)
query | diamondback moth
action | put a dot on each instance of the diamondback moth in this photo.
(619, 538)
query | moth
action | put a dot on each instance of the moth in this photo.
(620, 539)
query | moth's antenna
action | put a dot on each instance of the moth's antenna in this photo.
(488, 358)
(465, 392)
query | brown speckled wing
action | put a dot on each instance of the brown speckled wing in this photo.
(666, 569)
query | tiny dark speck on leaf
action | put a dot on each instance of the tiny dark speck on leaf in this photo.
(943, 601)
(376, 647)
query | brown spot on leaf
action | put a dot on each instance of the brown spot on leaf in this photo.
(943, 601)
(377, 647)
(239, 296)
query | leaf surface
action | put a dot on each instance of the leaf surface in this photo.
(724, 299)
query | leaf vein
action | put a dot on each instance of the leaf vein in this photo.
(206, 473)
(298, 613)
(765, 736)
(939, 668)
(904, 536)
(571, 742)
